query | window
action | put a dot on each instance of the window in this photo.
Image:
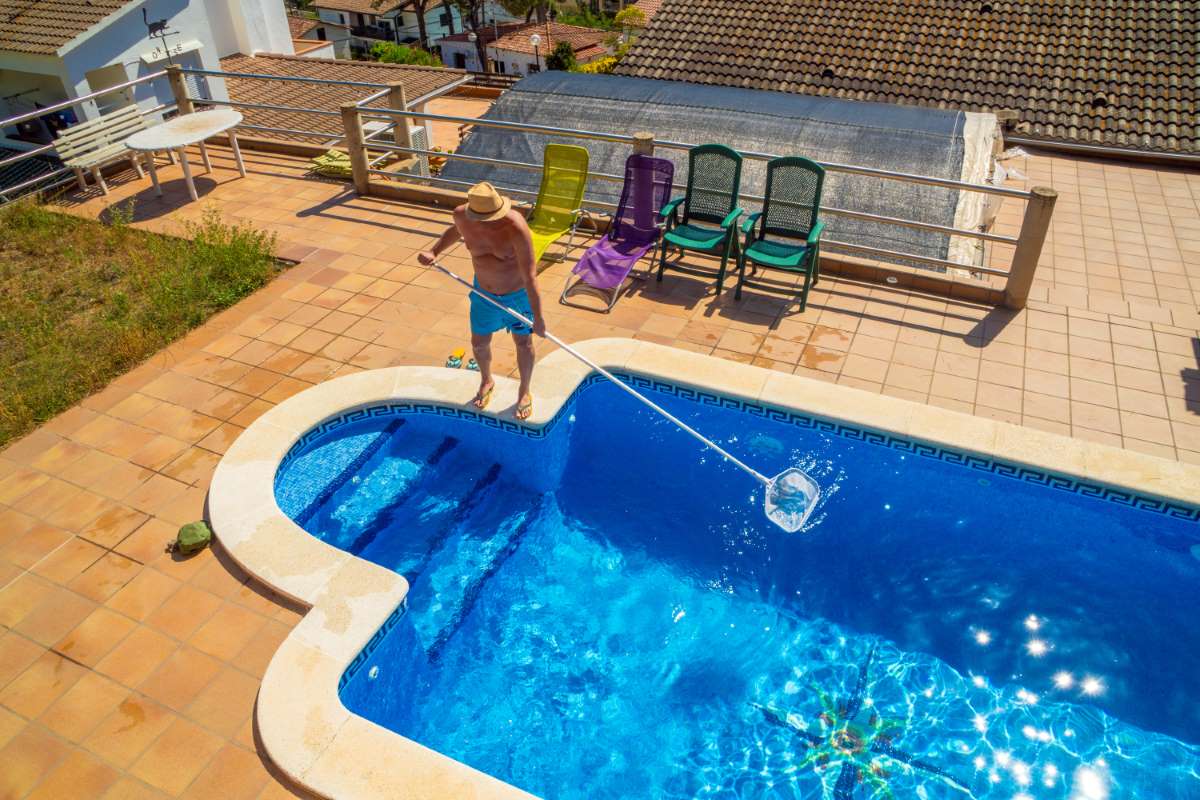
(460, 61)
(532, 68)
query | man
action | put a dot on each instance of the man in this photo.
(502, 252)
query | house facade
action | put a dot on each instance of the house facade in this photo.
(371, 21)
(54, 52)
(313, 38)
(511, 49)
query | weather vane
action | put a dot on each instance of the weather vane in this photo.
(159, 29)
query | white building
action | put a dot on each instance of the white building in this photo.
(371, 21)
(50, 52)
(511, 47)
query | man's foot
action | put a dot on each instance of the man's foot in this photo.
(525, 407)
(484, 395)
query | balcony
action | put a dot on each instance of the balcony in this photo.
(383, 33)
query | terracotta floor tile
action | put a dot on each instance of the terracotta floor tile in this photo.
(954, 387)
(93, 638)
(225, 704)
(32, 545)
(821, 359)
(67, 561)
(104, 578)
(258, 652)
(16, 655)
(42, 682)
(137, 656)
(74, 715)
(180, 678)
(233, 774)
(193, 466)
(911, 378)
(159, 451)
(60, 456)
(154, 492)
(1093, 417)
(27, 759)
(56, 614)
(11, 724)
(143, 594)
(185, 612)
(17, 485)
(176, 757)
(112, 525)
(1138, 402)
(125, 734)
(227, 631)
(132, 789)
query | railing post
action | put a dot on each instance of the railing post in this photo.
(352, 123)
(1038, 211)
(398, 102)
(179, 89)
(643, 143)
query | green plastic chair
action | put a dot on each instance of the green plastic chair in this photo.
(556, 211)
(791, 205)
(710, 209)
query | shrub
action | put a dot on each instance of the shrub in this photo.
(392, 53)
(563, 57)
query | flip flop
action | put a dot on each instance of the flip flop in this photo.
(524, 410)
(481, 399)
(471, 365)
(456, 358)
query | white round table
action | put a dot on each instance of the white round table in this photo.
(187, 129)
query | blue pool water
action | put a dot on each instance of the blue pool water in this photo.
(604, 611)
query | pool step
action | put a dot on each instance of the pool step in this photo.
(381, 481)
(469, 555)
(312, 478)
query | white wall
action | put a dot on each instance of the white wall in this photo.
(122, 40)
(260, 25)
(514, 63)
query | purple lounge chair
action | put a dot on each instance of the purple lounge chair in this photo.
(634, 230)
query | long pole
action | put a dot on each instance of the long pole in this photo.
(629, 390)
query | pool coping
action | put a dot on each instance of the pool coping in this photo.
(325, 748)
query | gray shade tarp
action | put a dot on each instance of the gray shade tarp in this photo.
(921, 141)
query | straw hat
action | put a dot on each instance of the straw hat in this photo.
(485, 204)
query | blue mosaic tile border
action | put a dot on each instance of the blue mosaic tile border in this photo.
(1005, 469)
(364, 654)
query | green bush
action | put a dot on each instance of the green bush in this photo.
(82, 302)
(563, 57)
(392, 53)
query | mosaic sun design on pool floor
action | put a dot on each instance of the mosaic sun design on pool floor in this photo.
(852, 735)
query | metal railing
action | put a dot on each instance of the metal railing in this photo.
(848, 248)
(62, 174)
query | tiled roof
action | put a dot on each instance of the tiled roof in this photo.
(515, 38)
(43, 26)
(1119, 73)
(361, 6)
(298, 26)
(418, 81)
(649, 7)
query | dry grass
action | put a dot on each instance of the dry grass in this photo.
(81, 302)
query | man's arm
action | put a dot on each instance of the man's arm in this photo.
(448, 237)
(523, 247)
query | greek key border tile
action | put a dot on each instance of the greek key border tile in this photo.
(923, 449)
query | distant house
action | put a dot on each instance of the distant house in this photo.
(54, 51)
(510, 46)
(1117, 74)
(313, 38)
(370, 21)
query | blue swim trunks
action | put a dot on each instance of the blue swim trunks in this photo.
(486, 318)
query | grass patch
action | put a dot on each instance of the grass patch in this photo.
(82, 302)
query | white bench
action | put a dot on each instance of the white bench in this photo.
(91, 145)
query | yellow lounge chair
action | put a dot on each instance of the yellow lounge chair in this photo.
(556, 211)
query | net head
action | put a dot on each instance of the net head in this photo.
(790, 499)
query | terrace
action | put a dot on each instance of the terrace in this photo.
(124, 670)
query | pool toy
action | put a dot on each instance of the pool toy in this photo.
(455, 359)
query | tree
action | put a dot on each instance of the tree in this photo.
(472, 12)
(392, 53)
(527, 8)
(563, 57)
(630, 17)
(420, 8)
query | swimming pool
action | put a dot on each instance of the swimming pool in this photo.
(599, 609)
